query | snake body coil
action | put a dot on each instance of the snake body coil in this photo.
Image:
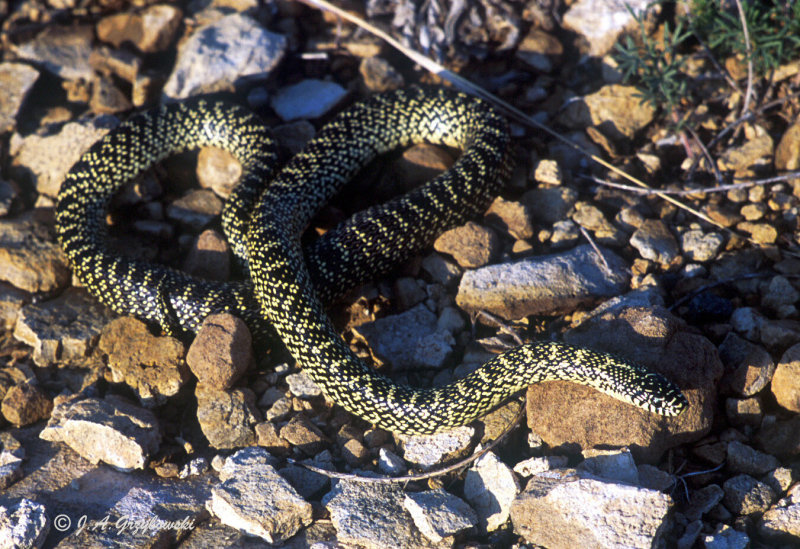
(289, 284)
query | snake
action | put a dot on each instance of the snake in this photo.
(288, 284)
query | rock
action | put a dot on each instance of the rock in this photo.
(781, 523)
(151, 30)
(303, 434)
(548, 172)
(110, 430)
(408, 340)
(271, 510)
(221, 352)
(267, 436)
(218, 170)
(548, 206)
(540, 50)
(471, 245)
(779, 335)
(787, 153)
(592, 219)
(209, 257)
(12, 454)
(24, 404)
(703, 501)
(559, 509)
(294, 135)
(744, 495)
(372, 516)
(302, 386)
(642, 333)
(16, 79)
(700, 246)
(748, 159)
(534, 465)
(408, 292)
(761, 233)
(23, 523)
(439, 515)
(308, 483)
(780, 438)
(780, 480)
(30, 259)
(749, 367)
(218, 55)
(195, 209)
(747, 321)
(779, 295)
(616, 110)
(744, 459)
(549, 284)
(195, 467)
(45, 160)
(390, 463)
(655, 242)
(427, 451)
(121, 63)
(62, 329)
(152, 366)
(491, 487)
(379, 75)
(565, 234)
(308, 99)
(609, 465)
(746, 411)
(227, 418)
(654, 478)
(107, 98)
(602, 21)
(786, 381)
(725, 537)
(61, 50)
(512, 216)
(441, 270)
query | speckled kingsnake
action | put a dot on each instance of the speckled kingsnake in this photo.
(291, 288)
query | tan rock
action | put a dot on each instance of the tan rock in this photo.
(25, 403)
(221, 352)
(786, 381)
(471, 245)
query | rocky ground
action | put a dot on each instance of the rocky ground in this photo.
(115, 435)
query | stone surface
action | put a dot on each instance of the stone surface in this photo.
(110, 430)
(550, 205)
(150, 30)
(379, 75)
(23, 524)
(655, 242)
(221, 352)
(651, 336)
(602, 21)
(408, 340)
(209, 257)
(559, 509)
(549, 284)
(591, 218)
(152, 366)
(25, 403)
(12, 455)
(615, 109)
(744, 495)
(227, 418)
(302, 386)
(786, 381)
(491, 487)
(511, 215)
(195, 209)
(271, 510)
(471, 245)
(749, 367)
(61, 49)
(439, 514)
(62, 329)
(30, 258)
(304, 435)
(427, 451)
(781, 523)
(16, 80)
(308, 99)
(744, 459)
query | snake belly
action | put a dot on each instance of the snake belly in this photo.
(290, 284)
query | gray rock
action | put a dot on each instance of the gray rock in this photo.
(490, 486)
(747, 321)
(302, 386)
(271, 510)
(700, 246)
(609, 465)
(779, 293)
(749, 366)
(558, 509)
(30, 258)
(16, 79)
(62, 50)
(744, 495)
(780, 479)
(110, 430)
(550, 205)
(690, 535)
(654, 478)
(372, 516)
(23, 524)
(45, 160)
(440, 269)
(549, 284)
(655, 242)
(408, 340)
(703, 501)
(195, 467)
(534, 465)
(390, 463)
(209, 256)
(426, 451)
(12, 454)
(62, 329)
(439, 514)
(591, 218)
(744, 459)
(781, 523)
(308, 99)
(195, 209)
(309, 483)
(408, 292)
(227, 418)
(216, 56)
(565, 234)
(601, 21)
(725, 537)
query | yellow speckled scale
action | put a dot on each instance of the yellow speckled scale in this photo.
(290, 284)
